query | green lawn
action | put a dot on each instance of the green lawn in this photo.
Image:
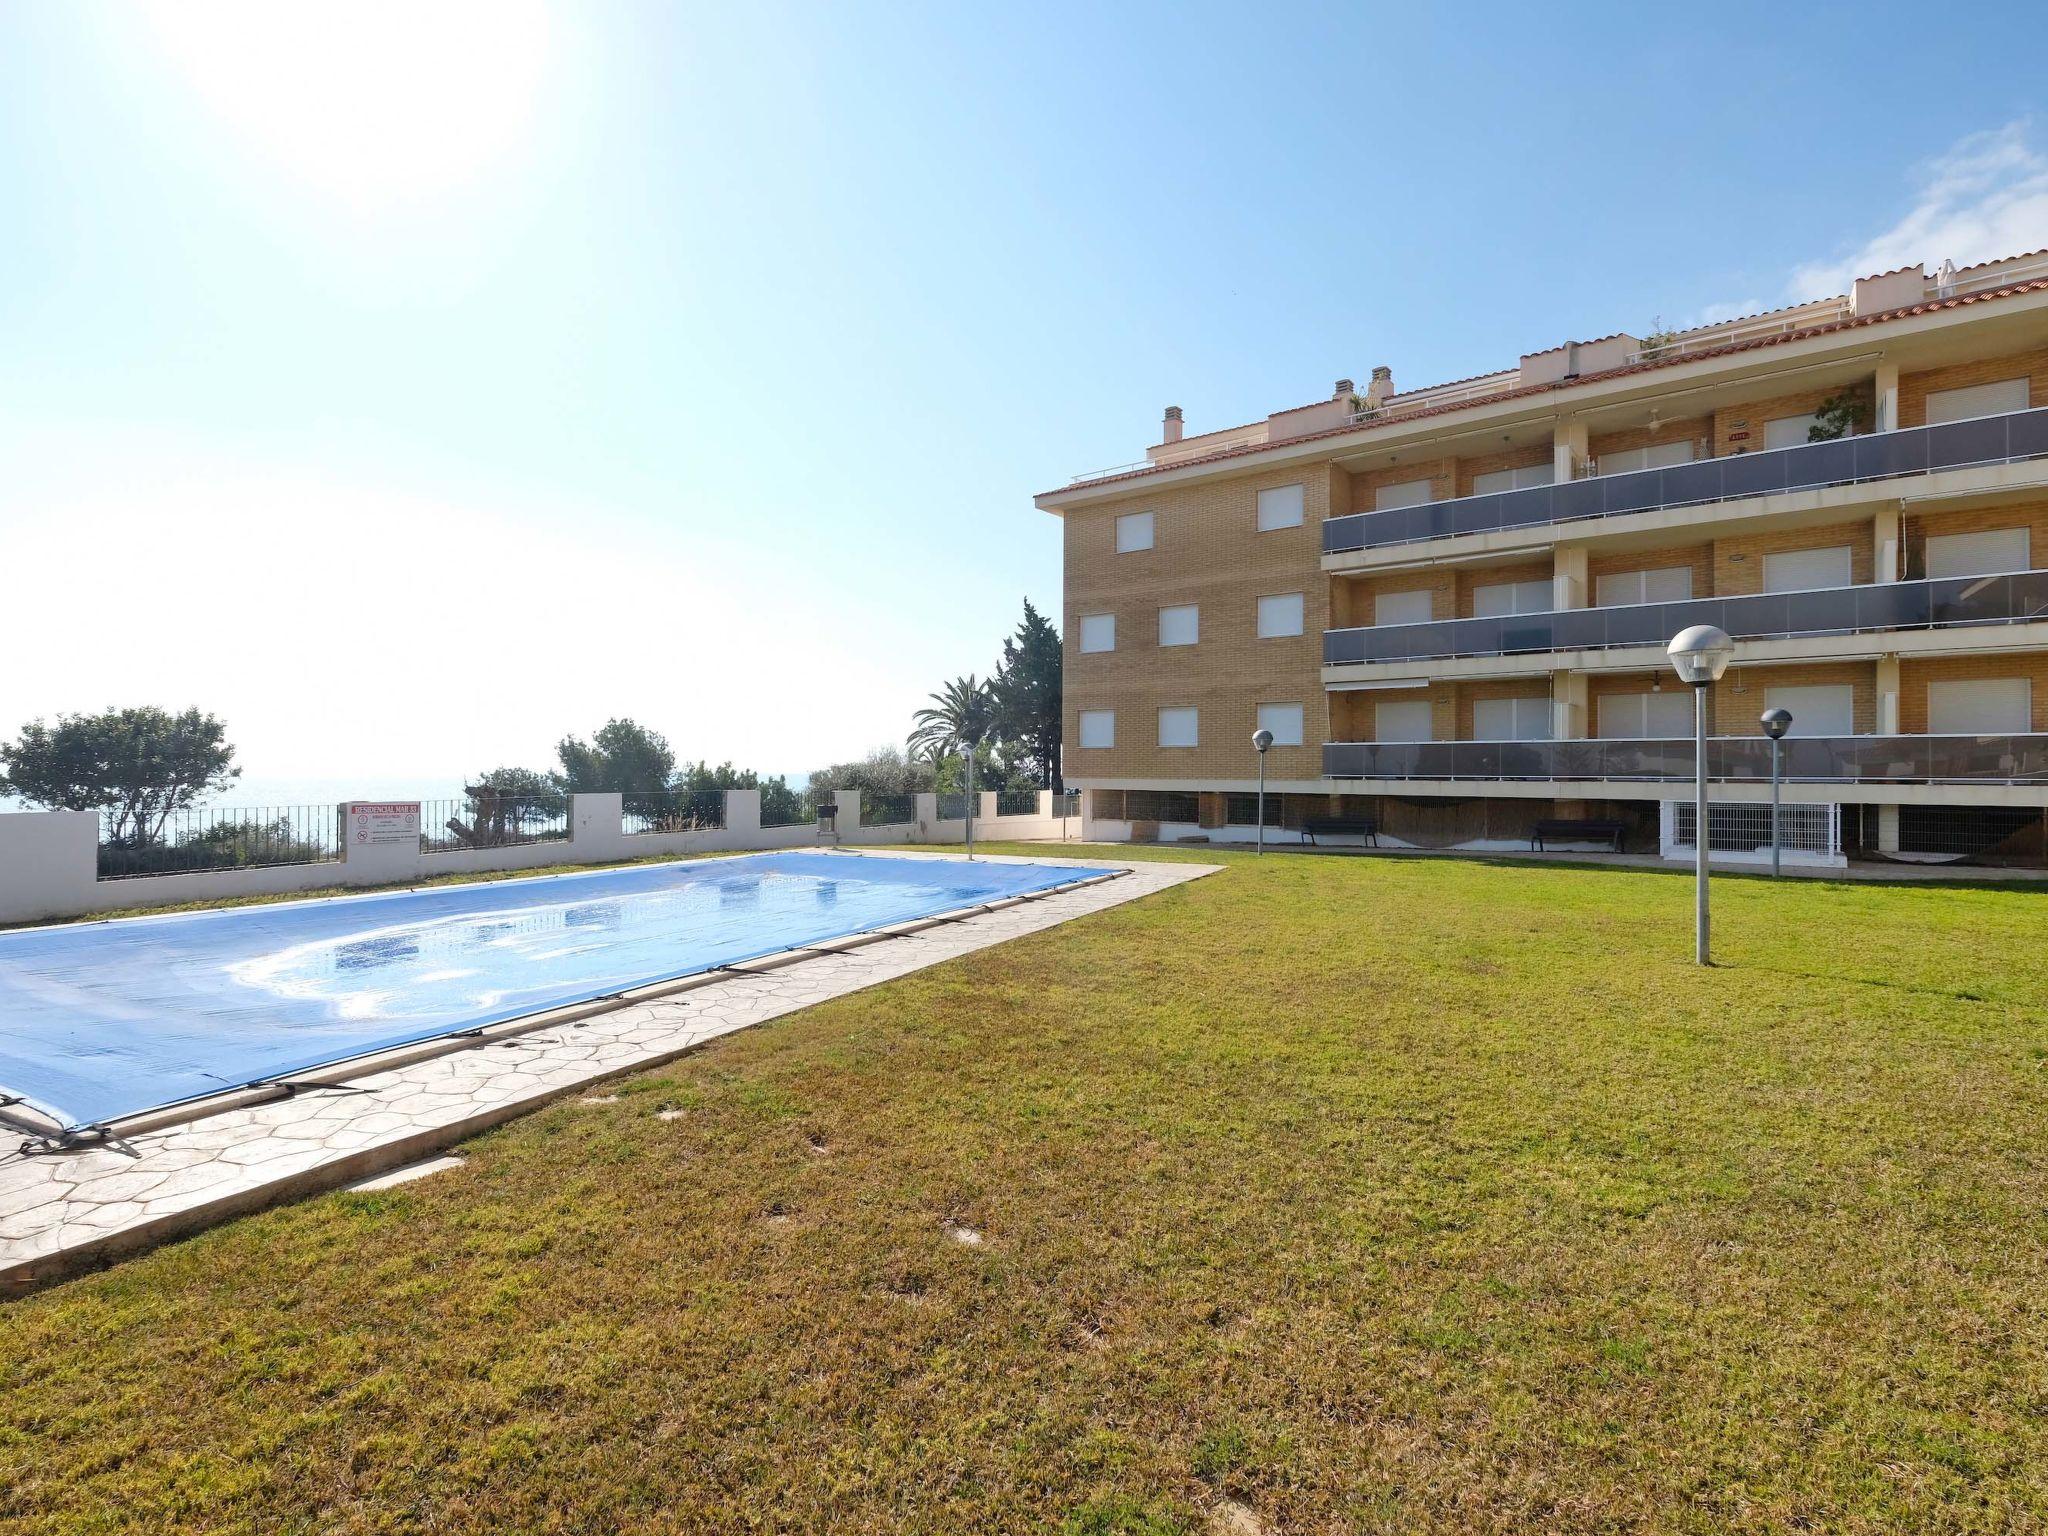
(1365, 1194)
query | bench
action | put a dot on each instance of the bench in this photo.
(1340, 826)
(1570, 829)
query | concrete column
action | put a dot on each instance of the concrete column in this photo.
(985, 805)
(1887, 695)
(1568, 577)
(596, 830)
(49, 864)
(925, 808)
(848, 823)
(380, 841)
(1568, 448)
(1568, 700)
(742, 817)
(1885, 417)
(1887, 829)
(1887, 542)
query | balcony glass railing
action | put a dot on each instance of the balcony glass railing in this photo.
(2016, 598)
(1808, 466)
(1807, 759)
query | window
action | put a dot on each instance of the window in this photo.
(1133, 532)
(1789, 431)
(1098, 727)
(1414, 720)
(1669, 584)
(1284, 721)
(1512, 597)
(1816, 711)
(1511, 719)
(1998, 706)
(1181, 625)
(1978, 400)
(1279, 507)
(1805, 570)
(1514, 479)
(1279, 614)
(1098, 632)
(1403, 608)
(1657, 456)
(1179, 727)
(1409, 493)
(1646, 716)
(1978, 554)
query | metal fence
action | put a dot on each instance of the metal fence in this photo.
(1067, 803)
(1017, 802)
(792, 808)
(887, 810)
(1947, 602)
(489, 819)
(1984, 834)
(953, 807)
(1745, 827)
(1805, 466)
(2014, 759)
(230, 837)
(672, 810)
(1243, 810)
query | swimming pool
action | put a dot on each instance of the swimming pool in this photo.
(103, 1020)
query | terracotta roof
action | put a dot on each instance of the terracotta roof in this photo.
(1903, 312)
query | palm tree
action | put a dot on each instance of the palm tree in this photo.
(962, 715)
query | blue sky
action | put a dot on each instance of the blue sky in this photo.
(410, 385)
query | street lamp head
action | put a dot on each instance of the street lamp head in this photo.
(1776, 722)
(1261, 739)
(1700, 654)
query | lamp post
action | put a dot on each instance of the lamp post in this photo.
(1700, 655)
(1776, 722)
(1262, 739)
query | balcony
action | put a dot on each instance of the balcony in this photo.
(1808, 466)
(1979, 760)
(2016, 598)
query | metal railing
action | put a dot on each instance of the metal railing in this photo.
(226, 837)
(2017, 597)
(1066, 803)
(1707, 338)
(2016, 759)
(792, 808)
(887, 810)
(953, 807)
(1805, 466)
(1017, 802)
(488, 819)
(671, 810)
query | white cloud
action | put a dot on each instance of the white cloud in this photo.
(1985, 197)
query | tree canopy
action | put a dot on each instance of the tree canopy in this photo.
(137, 766)
(1028, 697)
(620, 755)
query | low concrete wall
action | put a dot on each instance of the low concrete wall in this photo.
(49, 859)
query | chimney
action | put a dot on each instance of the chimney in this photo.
(1381, 389)
(1342, 390)
(1171, 434)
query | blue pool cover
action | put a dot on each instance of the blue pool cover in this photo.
(103, 1020)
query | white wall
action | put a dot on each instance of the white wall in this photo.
(49, 859)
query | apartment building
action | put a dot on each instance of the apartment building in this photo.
(1450, 604)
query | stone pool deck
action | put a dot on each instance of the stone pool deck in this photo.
(66, 1211)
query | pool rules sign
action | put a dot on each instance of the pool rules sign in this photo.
(381, 824)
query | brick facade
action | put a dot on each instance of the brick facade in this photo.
(1207, 552)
